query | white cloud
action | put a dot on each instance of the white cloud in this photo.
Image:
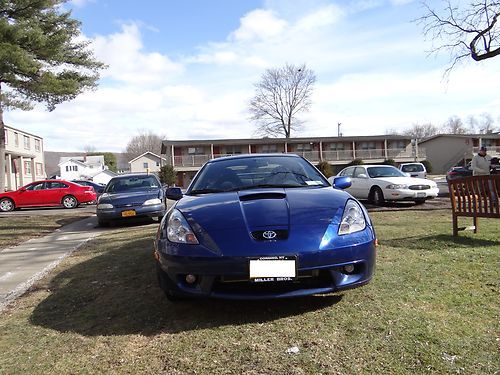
(257, 25)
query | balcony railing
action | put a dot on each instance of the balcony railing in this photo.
(314, 157)
(491, 150)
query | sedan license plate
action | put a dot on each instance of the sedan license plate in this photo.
(128, 213)
(420, 195)
(268, 269)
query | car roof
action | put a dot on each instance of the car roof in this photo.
(250, 156)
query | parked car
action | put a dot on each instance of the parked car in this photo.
(380, 183)
(99, 188)
(414, 169)
(47, 193)
(130, 196)
(466, 171)
(263, 226)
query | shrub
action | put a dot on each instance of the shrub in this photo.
(390, 162)
(427, 164)
(167, 175)
(325, 168)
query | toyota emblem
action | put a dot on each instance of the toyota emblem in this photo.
(269, 234)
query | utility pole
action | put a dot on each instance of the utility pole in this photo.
(339, 134)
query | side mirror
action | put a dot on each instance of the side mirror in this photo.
(174, 193)
(342, 182)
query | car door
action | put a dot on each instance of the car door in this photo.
(56, 190)
(360, 183)
(31, 195)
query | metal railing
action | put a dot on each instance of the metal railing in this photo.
(314, 156)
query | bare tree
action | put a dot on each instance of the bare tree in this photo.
(454, 125)
(470, 31)
(145, 141)
(484, 124)
(421, 131)
(280, 96)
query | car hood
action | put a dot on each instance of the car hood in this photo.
(228, 222)
(137, 197)
(405, 180)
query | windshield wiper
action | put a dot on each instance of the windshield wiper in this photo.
(205, 191)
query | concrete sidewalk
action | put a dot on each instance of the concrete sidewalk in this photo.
(22, 265)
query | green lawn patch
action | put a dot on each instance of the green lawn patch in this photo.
(15, 229)
(432, 307)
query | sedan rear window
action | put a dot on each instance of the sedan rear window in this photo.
(131, 183)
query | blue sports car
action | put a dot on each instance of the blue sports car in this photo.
(263, 226)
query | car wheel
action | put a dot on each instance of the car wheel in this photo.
(103, 223)
(7, 205)
(69, 201)
(419, 201)
(166, 285)
(377, 196)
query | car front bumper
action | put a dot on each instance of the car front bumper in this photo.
(407, 194)
(156, 210)
(228, 277)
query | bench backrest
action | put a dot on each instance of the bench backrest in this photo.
(475, 195)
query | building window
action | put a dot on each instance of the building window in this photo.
(233, 150)
(39, 169)
(6, 136)
(37, 145)
(367, 146)
(145, 165)
(16, 139)
(269, 148)
(196, 151)
(304, 147)
(399, 145)
(337, 146)
(26, 142)
(27, 167)
(157, 163)
(75, 168)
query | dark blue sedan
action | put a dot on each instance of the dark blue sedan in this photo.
(131, 196)
(263, 226)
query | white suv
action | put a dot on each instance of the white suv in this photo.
(414, 169)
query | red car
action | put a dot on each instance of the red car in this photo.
(47, 193)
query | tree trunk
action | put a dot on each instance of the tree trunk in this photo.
(2, 146)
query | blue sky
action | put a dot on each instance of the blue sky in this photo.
(186, 69)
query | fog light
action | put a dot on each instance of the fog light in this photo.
(349, 268)
(190, 279)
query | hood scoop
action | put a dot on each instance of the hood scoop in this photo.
(261, 195)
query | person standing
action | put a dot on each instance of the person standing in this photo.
(481, 163)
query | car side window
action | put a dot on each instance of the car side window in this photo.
(348, 172)
(38, 186)
(56, 185)
(360, 172)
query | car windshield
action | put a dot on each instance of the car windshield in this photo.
(256, 172)
(123, 184)
(412, 168)
(384, 171)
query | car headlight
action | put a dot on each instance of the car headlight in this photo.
(397, 186)
(150, 202)
(178, 230)
(104, 206)
(353, 219)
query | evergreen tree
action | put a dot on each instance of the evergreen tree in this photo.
(42, 59)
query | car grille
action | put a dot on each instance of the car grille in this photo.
(126, 205)
(419, 187)
(259, 235)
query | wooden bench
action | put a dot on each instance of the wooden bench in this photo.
(475, 196)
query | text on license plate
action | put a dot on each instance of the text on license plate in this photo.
(420, 194)
(128, 213)
(273, 268)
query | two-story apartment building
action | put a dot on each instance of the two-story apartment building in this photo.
(188, 156)
(24, 161)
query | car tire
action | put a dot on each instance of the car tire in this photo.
(7, 205)
(166, 285)
(69, 201)
(377, 196)
(419, 201)
(103, 223)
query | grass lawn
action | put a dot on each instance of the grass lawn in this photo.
(15, 229)
(433, 307)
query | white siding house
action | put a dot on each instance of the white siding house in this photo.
(81, 167)
(104, 176)
(147, 162)
(24, 161)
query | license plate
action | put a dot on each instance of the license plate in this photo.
(267, 269)
(128, 213)
(420, 195)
